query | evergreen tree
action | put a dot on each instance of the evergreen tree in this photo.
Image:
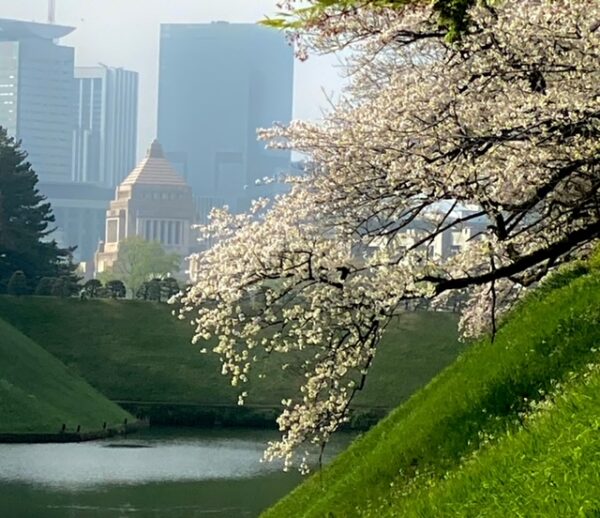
(17, 284)
(92, 287)
(154, 290)
(26, 221)
(142, 292)
(44, 287)
(116, 288)
(60, 288)
(169, 287)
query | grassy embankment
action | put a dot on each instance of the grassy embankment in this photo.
(476, 441)
(38, 394)
(137, 352)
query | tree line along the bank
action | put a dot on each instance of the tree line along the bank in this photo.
(156, 290)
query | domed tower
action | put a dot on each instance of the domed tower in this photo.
(154, 202)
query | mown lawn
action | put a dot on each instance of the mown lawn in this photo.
(400, 467)
(39, 394)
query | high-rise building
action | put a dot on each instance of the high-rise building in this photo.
(218, 83)
(37, 94)
(104, 144)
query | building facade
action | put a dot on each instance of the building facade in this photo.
(80, 212)
(104, 143)
(444, 245)
(218, 83)
(37, 94)
(154, 202)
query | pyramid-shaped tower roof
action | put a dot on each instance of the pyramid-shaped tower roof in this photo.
(155, 169)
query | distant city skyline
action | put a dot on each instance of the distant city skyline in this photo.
(219, 82)
(36, 90)
(126, 34)
(106, 126)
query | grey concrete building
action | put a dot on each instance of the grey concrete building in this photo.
(218, 83)
(104, 144)
(37, 94)
(154, 202)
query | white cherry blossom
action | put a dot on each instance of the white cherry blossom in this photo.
(506, 120)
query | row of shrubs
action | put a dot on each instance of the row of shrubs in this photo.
(64, 287)
(158, 290)
(94, 289)
(49, 286)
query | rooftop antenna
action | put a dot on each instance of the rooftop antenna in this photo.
(51, 11)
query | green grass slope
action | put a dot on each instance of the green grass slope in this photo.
(38, 393)
(137, 351)
(549, 468)
(464, 446)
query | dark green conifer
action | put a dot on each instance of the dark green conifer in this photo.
(26, 222)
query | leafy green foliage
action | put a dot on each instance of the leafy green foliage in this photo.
(17, 285)
(452, 14)
(139, 261)
(60, 288)
(116, 288)
(158, 290)
(169, 287)
(154, 291)
(92, 287)
(25, 221)
(44, 287)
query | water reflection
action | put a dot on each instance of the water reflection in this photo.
(131, 461)
(156, 473)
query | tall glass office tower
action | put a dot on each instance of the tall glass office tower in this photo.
(218, 83)
(104, 150)
(37, 94)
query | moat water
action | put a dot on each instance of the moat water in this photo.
(158, 472)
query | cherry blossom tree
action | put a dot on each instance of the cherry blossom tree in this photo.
(505, 120)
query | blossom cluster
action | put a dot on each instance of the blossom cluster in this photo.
(506, 120)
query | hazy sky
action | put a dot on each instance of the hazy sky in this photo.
(125, 33)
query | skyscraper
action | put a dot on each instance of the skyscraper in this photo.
(104, 146)
(218, 83)
(37, 94)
